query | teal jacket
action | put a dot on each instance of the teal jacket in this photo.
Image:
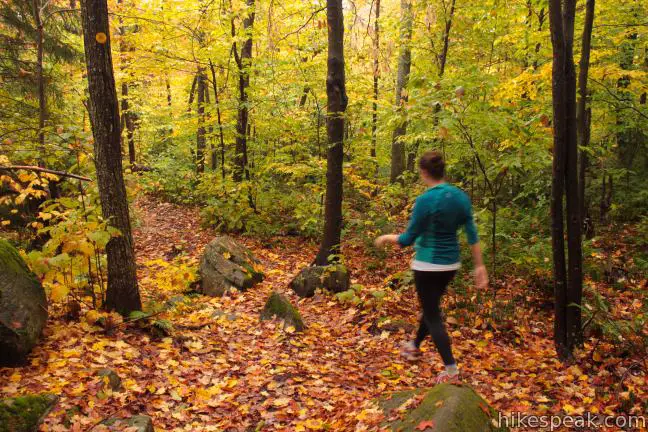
(437, 215)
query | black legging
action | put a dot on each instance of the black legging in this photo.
(430, 287)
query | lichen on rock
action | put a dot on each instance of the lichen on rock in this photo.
(226, 264)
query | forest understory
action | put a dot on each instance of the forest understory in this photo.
(217, 367)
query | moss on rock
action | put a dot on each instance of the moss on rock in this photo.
(334, 278)
(451, 408)
(23, 307)
(25, 413)
(278, 305)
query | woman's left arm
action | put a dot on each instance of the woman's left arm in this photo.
(414, 228)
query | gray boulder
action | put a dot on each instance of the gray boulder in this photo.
(445, 407)
(334, 278)
(226, 264)
(23, 307)
(25, 413)
(279, 306)
(141, 423)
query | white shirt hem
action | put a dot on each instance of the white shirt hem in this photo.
(426, 266)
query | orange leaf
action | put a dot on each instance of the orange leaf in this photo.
(425, 424)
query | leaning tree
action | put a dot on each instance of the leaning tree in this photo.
(122, 293)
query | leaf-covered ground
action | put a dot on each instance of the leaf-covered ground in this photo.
(222, 369)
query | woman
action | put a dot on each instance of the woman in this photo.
(437, 215)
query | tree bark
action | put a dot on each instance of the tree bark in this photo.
(337, 104)
(443, 57)
(127, 116)
(404, 66)
(574, 219)
(244, 63)
(122, 293)
(200, 133)
(218, 118)
(40, 79)
(567, 279)
(583, 115)
(376, 78)
(129, 124)
(192, 93)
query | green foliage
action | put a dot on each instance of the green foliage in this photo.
(626, 334)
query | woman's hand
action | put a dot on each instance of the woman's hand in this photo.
(481, 277)
(384, 239)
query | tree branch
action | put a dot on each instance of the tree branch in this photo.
(45, 170)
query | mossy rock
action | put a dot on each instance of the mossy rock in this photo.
(23, 307)
(142, 423)
(225, 264)
(279, 306)
(25, 413)
(111, 379)
(334, 278)
(450, 408)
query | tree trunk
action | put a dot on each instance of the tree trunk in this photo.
(40, 79)
(200, 133)
(192, 93)
(337, 104)
(244, 63)
(376, 77)
(541, 21)
(567, 290)
(443, 57)
(583, 118)
(218, 118)
(127, 116)
(168, 91)
(404, 65)
(122, 293)
(129, 124)
(574, 220)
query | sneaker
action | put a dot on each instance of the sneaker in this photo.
(446, 377)
(410, 351)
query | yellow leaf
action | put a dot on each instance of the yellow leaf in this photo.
(281, 402)
(59, 292)
(314, 424)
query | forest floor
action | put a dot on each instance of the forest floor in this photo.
(222, 369)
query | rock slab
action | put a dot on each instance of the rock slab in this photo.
(23, 307)
(138, 423)
(225, 264)
(450, 408)
(335, 278)
(25, 413)
(279, 306)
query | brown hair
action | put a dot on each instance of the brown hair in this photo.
(433, 164)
